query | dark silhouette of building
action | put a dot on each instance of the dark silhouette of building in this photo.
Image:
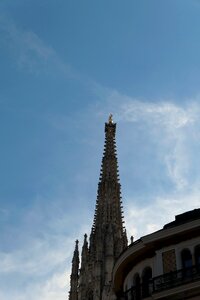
(108, 235)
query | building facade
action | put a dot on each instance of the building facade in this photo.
(162, 265)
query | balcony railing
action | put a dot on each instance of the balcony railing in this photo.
(177, 278)
(163, 282)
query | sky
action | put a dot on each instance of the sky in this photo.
(64, 66)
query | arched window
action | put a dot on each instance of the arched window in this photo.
(186, 258)
(197, 255)
(146, 281)
(126, 292)
(136, 287)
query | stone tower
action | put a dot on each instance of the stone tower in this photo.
(108, 235)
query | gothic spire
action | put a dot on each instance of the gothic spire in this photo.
(109, 206)
(108, 236)
(73, 294)
(84, 254)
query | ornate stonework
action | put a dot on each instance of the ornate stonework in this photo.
(108, 235)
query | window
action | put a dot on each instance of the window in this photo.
(197, 255)
(186, 259)
(126, 292)
(169, 261)
(136, 287)
(146, 281)
(186, 263)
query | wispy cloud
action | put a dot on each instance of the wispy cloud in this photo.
(166, 114)
(172, 131)
(28, 49)
(41, 261)
(173, 126)
(42, 266)
(41, 256)
(53, 287)
(152, 216)
(30, 52)
(175, 129)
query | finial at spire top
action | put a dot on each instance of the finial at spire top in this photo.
(110, 119)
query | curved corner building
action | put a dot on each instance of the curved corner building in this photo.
(162, 265)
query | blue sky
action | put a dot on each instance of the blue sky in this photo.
(64, 66)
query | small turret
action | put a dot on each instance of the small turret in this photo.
(73, 294)
(84, 254)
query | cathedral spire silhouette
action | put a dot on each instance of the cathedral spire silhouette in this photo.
(108, 235)
(73, 294)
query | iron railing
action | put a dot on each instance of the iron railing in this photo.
(163, 282)
(177, 278)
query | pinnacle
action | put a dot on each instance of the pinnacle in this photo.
(110, 119)
(109, 205)
(108, 234)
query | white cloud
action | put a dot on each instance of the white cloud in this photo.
(165, 114)
(39, 257)
(174, 128)
(43, 266)
(53, 287)
(142, 220)
(26, 46)
(31, 52)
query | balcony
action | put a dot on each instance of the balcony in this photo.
(175, 279)
(167, 284)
